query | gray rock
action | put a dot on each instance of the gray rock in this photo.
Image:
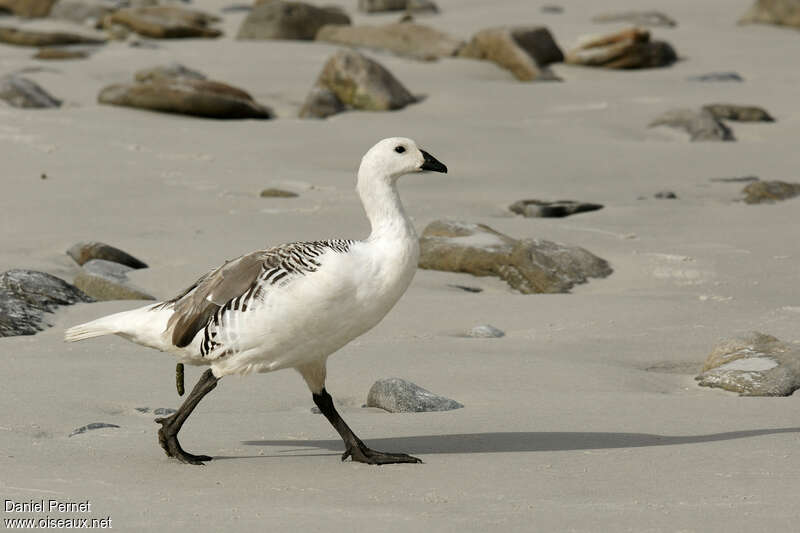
(359, 83)
(277, 193)
(27, 8)
(25, 295)
(743, 179)
(753, 365)
(321, 102)
(701, 125)
(739, 113)
(85, 251)
(768, 192)
(466, 288)
(397, 395)
(24, 37)
(158, 411)
(414, 6)
(561, 208)
(92, 426)
(638, 18)
(525, 51)
(17, 91)
(237, 8)
(780, 12)
(277, 19)
(485, 332)
(405, 39)
(165, 22)
(716, 76)
(529, 265)
(627, 49)
(665, 195)
(106, 280)
(170, 71)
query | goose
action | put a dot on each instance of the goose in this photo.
(289, 306)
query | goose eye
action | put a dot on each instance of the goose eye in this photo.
(400, 149)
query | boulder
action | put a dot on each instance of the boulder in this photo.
(398, 395)
(17, 91)
(638, 18)
(768, 192)
(186, 96)
(165, 22)
(753, 365)
(27, 8)
(523, 50)
(406, 39)
(106, 280)
(44, 38)
(172, 70)
(358, 82)
(84, 252)
(739, 113)
(701, 125)
(528, 265)
(60, 53)
(25, 295)
(627, 49)
(561, 208)
(780, 12)
(288, 20)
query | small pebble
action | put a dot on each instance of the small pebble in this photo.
(485, 332)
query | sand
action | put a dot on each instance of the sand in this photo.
(584, 417)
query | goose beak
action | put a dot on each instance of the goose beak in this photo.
(431, 163)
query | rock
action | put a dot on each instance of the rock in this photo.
(742, 179)
(561, 208)
(288, 20)
(781, 12)
(44, 38)
(25, 295)
(321, 102)
(186, 96)
(158, 411)
(397, 395)
(665, 195)
(717, 76)
(237, 8)
(753, 365)
(414, 6)
(406, 39)
(172, 70)
(638, 18)
(359, 83)
(92, 426)
(60, 53)
(767, 192)
(466, 288)
(165, 22)
(83, 252)
(485, 332)
(740, 113)
(277, 193)
(22, 92)
(524, 50)
(528, 265)
(27, 8)
(631, 48)
(82, 12)
(106, 280)
(701, 125)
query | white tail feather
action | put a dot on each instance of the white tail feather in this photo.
(143, 326)
(95, 328)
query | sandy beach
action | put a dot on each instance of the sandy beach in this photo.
(584, 417)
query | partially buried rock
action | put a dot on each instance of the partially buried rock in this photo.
(561, 208)
(60, 54)
(781, 12)
(717, 76)
(414, 6)
(665, 195)
(25, 295)
(165, 22)
(525, 51)
(768, 192)
(172, 70)
(485, 332)
(528, 265)
(186, 96)
(700, 125)
(106, 280)
(739, 113)
(91, 427)
(277, 193)
(27, 8)
(288, 20)
(17, 91)
(627, 49)
(398, 395)
(83, 252)
(406, 39)
(19, 37)
(638, 18)
(754, 365)
(358, 82)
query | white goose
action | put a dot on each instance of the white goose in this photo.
(290, 306)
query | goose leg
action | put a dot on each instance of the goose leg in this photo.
(354, 448)
(171, 425)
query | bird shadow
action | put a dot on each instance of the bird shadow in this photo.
(522, 441)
